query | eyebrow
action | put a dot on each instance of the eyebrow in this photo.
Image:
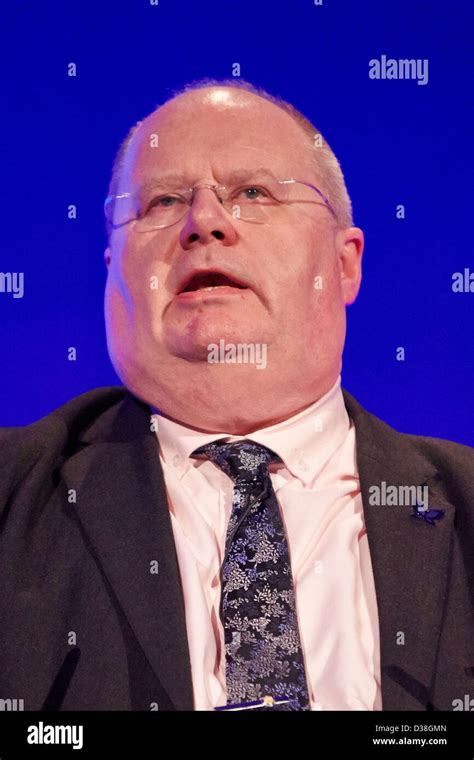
(180, 180)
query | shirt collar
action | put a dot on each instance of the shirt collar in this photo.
(304, 442)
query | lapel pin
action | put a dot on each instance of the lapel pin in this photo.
(428, 515)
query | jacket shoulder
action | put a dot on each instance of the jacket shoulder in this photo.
(380, 440)
(21, 447)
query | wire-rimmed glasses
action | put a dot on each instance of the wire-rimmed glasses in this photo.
(258, 201)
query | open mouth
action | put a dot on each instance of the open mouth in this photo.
(208, 281)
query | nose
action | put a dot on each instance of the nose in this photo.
(207, 220)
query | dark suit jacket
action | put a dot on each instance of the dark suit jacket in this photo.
(84, 623)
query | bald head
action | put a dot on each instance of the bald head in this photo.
(266, 112)
(239, 129)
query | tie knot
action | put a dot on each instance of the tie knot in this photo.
(243, 461)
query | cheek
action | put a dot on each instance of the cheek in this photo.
(322, 268)
(308, 264)
(308, 288)
(137, 279)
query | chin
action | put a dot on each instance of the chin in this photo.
(193, 340)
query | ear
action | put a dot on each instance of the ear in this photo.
(107, 256)
(350, 246)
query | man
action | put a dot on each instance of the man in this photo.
(232, 529)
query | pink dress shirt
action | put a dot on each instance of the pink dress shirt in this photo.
(317, 487)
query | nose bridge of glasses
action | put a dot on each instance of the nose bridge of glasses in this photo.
(220, 191)
(236, 207)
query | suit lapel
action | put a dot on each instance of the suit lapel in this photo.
(122, 508)
(410, 560)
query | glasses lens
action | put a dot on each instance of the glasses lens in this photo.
(259, 200)
(157, 211)
(119, 209)
(162, 210)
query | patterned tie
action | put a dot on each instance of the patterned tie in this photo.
(257, 606)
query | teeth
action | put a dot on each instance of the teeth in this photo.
(213, 287)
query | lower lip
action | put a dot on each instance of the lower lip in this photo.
(199, 295)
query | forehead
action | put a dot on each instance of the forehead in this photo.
(207, 134)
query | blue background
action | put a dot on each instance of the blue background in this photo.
(398, 142)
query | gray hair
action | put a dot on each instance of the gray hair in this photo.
(326, 165)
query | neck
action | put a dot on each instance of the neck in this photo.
(237, 408)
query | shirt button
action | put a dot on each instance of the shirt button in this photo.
(176, 460)
(302, 465)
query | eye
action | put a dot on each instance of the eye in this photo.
(252, 193)
(161, 202)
